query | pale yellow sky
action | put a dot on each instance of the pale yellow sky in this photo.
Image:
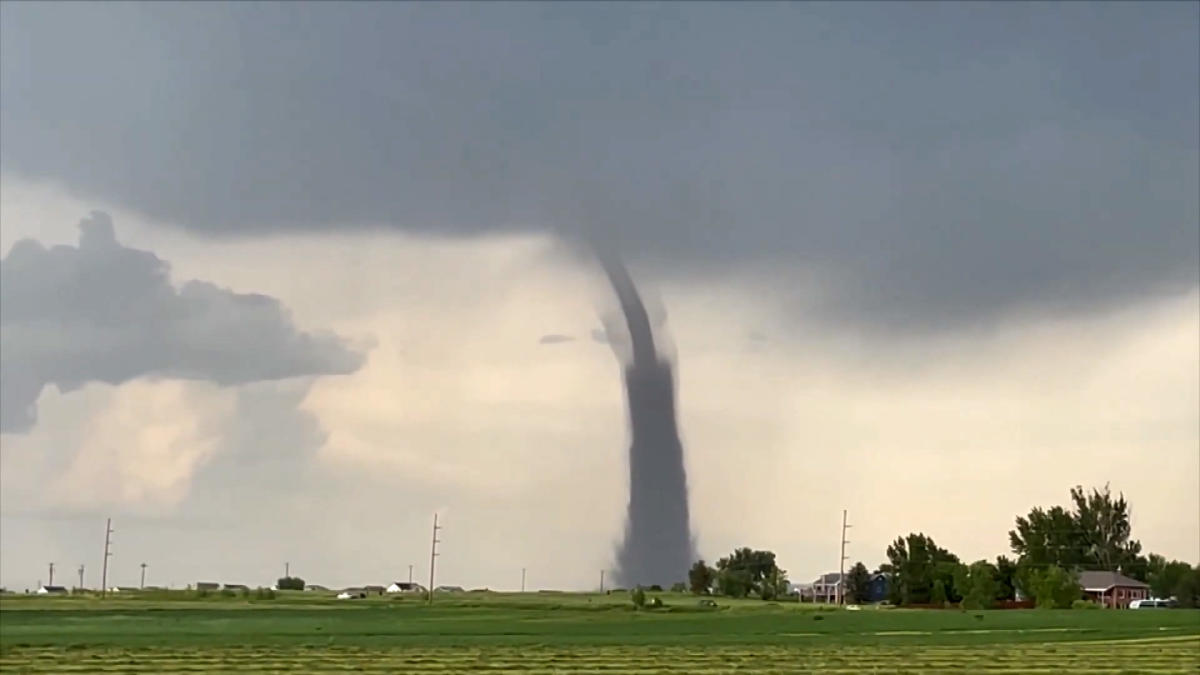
(522, 445)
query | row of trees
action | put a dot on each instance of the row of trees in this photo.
(1051, 546)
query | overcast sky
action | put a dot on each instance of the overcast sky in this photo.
(280, 280)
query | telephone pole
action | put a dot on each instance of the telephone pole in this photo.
(287, 570)
(81, 576)
(841, 585)
(104, 569)
(143, 583)
(410, 574)
(433, 556)
(522, 579)
(601, 581)
(51, 575)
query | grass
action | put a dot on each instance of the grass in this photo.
(573, 632)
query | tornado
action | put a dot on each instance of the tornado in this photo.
(657, 546)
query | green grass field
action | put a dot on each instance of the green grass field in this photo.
(550, 633)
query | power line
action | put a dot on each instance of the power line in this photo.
(433, 555)
(104, 570)
(841, 584)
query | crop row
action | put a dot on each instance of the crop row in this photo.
(1158, 656)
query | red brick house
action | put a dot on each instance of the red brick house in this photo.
(1112, 589)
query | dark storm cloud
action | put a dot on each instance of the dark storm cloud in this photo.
(941, 161)
(101, 312)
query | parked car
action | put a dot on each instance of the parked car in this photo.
(1152, 603)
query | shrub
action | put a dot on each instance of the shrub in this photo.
(656, 588)
(639, 597)
(226, 593)
(655, 603)
(1085, 604)
(679, 587)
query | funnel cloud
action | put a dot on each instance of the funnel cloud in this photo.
(657, 548)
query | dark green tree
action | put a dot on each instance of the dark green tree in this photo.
(937, 596)
(290, 584)
(1006, 579)
(977, 584)
(1094, 535)
(1187, 590)
(1164, 577)
(914, 563)
(747, 571)
(701, 578)
(858, 584)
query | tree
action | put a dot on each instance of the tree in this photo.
(1187, 590)
(701, 578)
(1054, 588)
(1164, 577)
(747, 571)
(290, 584)
(1104, 528)
(977, 584)
(1095, 535)
(858, 584)
(937, 596)
(1006, 579)
(914, 563)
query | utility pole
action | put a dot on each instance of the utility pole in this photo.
(841, 585)
(104, 570)
(81, 576)
(143, 583)
(433, 556)
(522, 579)
(51, 575)
(410, 574)
(601, 581)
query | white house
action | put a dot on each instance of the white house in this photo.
(51, 590)
(825, 588)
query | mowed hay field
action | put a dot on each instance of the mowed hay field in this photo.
(575, 633)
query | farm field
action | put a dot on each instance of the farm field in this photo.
(546, 633)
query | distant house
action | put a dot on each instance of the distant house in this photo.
(825, 587)
(51, 590)
(373, 590)
(406, 587)
(314, 587)
(1112, 589)
(877, 590)
(124, 589)
(449, 589)
(207, 586)
(236, 587)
